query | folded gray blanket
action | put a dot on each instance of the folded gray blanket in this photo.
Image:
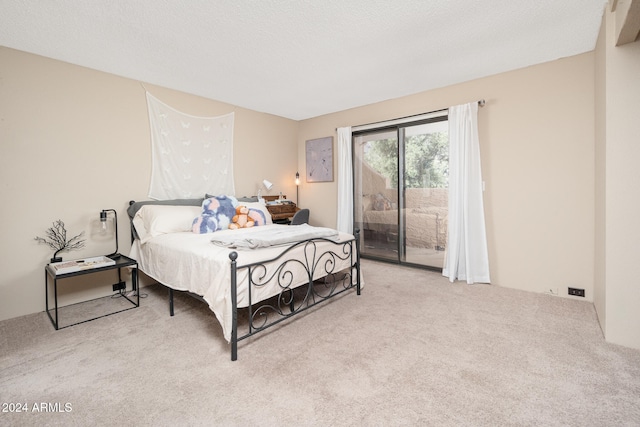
(262, 238)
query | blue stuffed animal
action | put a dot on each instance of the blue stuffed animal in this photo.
(217, 214)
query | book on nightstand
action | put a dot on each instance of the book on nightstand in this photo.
(81, 264)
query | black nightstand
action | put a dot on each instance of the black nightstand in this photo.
(121, 261)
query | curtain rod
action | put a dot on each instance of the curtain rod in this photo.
(481, 103)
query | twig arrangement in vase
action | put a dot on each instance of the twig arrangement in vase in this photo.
(57, 239)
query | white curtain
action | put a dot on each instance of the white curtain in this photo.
(191, 155)
(467, 257)
(345, 181)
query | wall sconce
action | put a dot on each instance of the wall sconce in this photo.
(103, 221)
(297, 188)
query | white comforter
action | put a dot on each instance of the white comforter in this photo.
(264, 237)
(191, 262)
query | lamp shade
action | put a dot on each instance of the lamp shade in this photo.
(268, 185)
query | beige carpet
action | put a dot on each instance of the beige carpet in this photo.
(413, 349)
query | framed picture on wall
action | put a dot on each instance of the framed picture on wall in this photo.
(319, 155)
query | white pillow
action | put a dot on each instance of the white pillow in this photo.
(258, 206)
(153, 220)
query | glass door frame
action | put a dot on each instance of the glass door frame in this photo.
(399, 128)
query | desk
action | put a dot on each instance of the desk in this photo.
(121, 262)
(281, 213)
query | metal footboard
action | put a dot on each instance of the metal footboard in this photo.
(294, 298)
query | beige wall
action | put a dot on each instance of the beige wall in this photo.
(599, 288)
(537, 149)
(76, 141)
(618, 200)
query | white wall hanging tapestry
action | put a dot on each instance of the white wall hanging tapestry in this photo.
(191, 156)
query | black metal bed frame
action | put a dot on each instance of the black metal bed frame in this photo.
(284, 305)
(315, 289)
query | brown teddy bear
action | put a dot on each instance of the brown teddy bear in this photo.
(241, 219)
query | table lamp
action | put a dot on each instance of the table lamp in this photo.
(103, 221)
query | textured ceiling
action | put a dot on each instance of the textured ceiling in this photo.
(302, 59)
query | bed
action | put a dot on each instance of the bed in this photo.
(272, 271)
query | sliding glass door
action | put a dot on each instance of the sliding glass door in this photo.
(376, 192)
(401, 192)
(425, 204)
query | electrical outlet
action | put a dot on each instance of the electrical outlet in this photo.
(576, 292)
(118, 286)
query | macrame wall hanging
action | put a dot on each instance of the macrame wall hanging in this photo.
(191, 156)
